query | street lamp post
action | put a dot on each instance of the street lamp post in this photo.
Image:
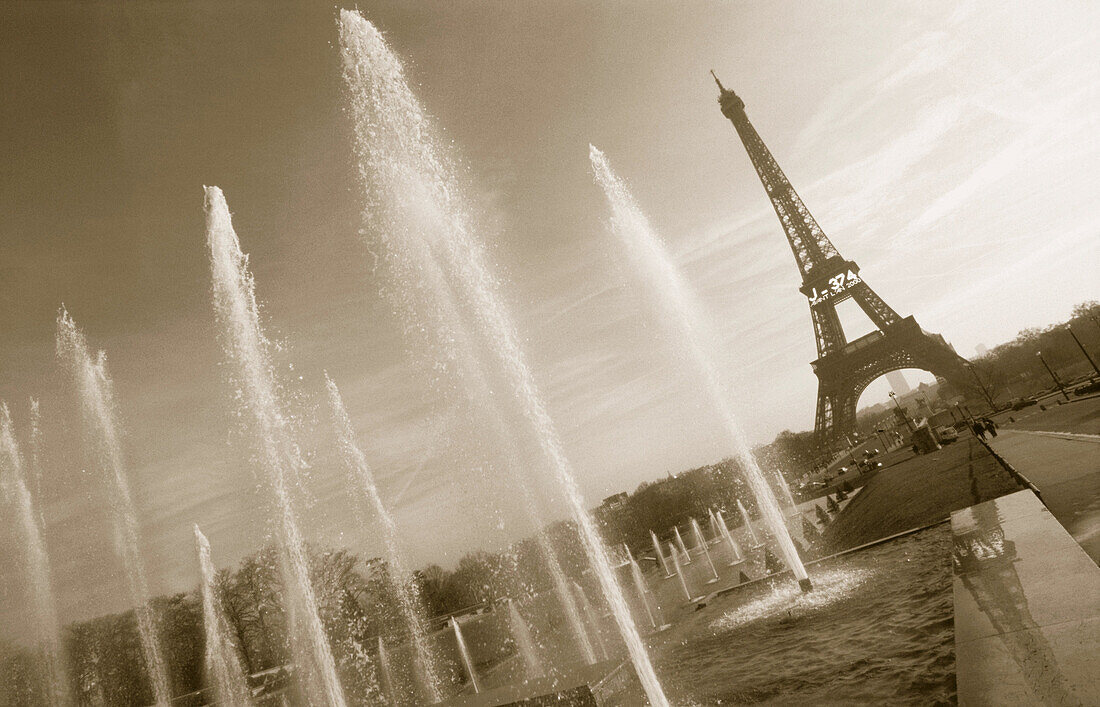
(1083, 350)
(904, 415)
(985, 392)
(1050, 370)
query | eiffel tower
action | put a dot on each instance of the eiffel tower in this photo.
(844, 368)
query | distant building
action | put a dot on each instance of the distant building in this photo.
(981, 349)
(615, 501)
(897, 382)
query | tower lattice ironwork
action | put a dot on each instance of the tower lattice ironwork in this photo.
(844, 368)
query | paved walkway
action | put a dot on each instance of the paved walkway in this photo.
(1066, 470)
(1027, 608)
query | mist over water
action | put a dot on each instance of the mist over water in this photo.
(97, 405)
(361, 482)
(223, 667)
(274, 451)
(414, 198)
(36, 562)
(680, 314)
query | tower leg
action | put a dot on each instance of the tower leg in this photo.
(823, 422)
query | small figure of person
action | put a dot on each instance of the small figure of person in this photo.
(990, 426)
(978, 430)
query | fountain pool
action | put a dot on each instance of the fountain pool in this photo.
(878, 628)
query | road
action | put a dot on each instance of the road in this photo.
(1066, 470)
(1081, 416)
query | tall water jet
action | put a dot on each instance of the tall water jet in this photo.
(683, 548)
(361, 480)
(748, 524)
(679, 572)
(680, 314)
(467, 660)
(735, 550)
(223, 667)
(426, 214)
(388, 686)
(702, 542)
(251, 371)
(525, 643)
(411, 175)
(36, 563)
(592, 618)
(660, 555)
(97, 403)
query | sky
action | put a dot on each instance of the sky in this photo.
(950, 149)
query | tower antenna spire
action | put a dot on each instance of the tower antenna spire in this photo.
(720, 86)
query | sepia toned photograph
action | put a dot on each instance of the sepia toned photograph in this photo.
(559, 354)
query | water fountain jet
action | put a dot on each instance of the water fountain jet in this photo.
(748, 524)
(678, 312)
(683, 548)
(387, 674)
(361, 481)
(735, 550)
(36, 562)
(467, 661)
(411, 174)
(680, 574)
(592, 619)
(223, 668)
(660, 555)
(643, 592)
(248, 352)
(702, 542)
(97, 403)
(525, 644)
(401, 157)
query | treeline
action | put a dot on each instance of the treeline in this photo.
(355, 600)
(1013, 369)
(674, 501)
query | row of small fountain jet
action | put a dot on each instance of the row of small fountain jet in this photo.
(443, 286)
(678, 554)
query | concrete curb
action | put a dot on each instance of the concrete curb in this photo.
(1079, 436)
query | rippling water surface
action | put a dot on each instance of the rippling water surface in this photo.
(880, 630)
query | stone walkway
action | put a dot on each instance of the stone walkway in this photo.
(1027, 607)
(1066, 470)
